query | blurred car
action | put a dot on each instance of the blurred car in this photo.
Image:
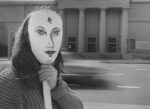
(76, 73)
(83, 74)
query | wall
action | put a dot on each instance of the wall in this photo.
(71, 22)
(113, 22)
(139, 21)
(92, 21)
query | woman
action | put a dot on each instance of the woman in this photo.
(36, 58)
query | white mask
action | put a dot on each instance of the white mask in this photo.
(45, 35)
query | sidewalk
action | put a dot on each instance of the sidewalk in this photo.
(132, 61)
(93, 105)
(121, 61)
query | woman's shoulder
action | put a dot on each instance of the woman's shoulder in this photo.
(7, 78)
(9, 90)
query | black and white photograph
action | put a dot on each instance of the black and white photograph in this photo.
(74, 54)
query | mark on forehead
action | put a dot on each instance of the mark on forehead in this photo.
(49, 20)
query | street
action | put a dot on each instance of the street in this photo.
(128, 84)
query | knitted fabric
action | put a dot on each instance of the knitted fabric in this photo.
(14, 95)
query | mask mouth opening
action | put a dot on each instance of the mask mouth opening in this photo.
(50, 52)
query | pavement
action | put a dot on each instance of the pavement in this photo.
(121, 61)
(99, 105)
(93, 105)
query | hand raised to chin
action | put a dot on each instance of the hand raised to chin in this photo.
(48, 73)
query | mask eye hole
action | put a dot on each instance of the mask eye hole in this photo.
(40, 30)
(56, 32)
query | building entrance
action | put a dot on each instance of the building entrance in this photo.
(112, 45)
(71, 32)
(113, 24)
(92, 29)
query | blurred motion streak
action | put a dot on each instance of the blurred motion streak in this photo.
(86, 76)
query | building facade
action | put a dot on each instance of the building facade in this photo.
(97, 27)
(93, 28)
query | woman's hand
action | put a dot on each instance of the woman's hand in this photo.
(48, 73)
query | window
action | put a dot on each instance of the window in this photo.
(72, 44)
(111, 45)
(111, 40)
(91, 45)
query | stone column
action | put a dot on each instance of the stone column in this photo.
(81, 37)
(102, 31)
(124, 31)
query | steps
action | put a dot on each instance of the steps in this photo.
(131, 55)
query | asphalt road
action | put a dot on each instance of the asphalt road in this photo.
(126, 83)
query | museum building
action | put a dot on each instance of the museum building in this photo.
(92, 28)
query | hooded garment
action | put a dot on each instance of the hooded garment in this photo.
(14, 94)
